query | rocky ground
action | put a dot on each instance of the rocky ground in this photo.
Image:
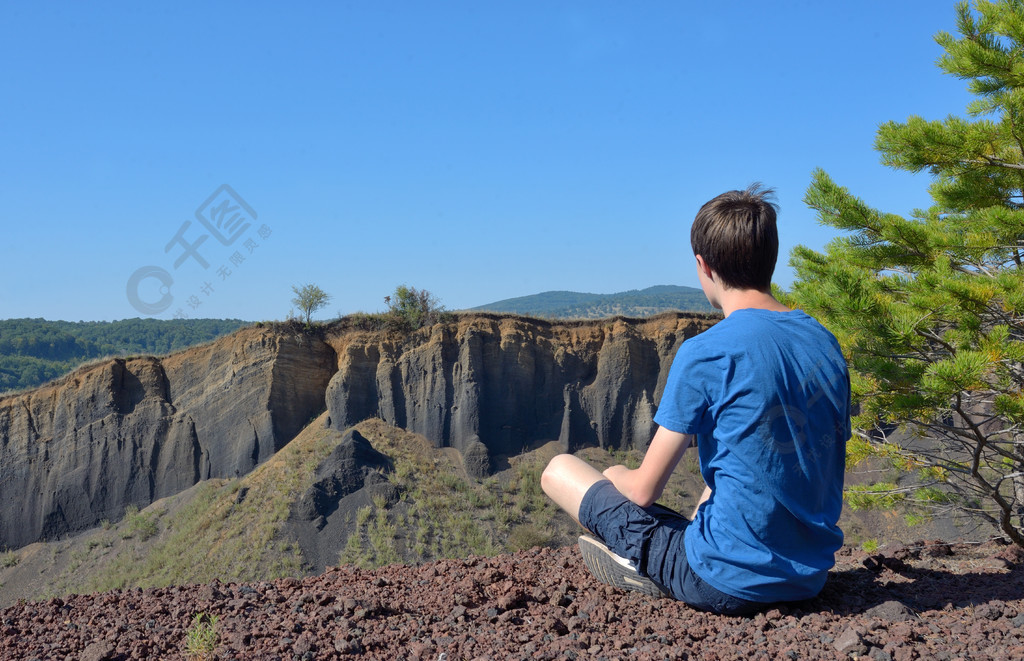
(927, 600)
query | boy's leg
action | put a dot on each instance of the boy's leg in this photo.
(612, 569)
(566, 480)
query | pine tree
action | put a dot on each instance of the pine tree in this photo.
(930, 308)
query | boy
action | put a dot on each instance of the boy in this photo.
(767, 393)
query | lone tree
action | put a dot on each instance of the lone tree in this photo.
(930, 309)
(309, 299)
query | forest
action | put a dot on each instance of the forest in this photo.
(34, 351)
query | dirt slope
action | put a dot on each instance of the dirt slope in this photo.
(924, 601)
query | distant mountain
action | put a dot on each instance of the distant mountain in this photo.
(579, 305)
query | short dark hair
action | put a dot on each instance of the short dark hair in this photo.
(735, 233)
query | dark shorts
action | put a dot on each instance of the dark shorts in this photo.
(652, 538)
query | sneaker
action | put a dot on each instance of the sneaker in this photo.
(614, 570)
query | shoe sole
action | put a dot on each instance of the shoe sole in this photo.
(608, 568)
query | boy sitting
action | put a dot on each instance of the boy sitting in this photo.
(767, 393)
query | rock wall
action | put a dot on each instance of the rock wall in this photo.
(505, 382)
(129, 431)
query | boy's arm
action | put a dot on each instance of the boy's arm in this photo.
(703, 497)
(644, 485)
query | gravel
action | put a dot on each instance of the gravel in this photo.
(927, 600)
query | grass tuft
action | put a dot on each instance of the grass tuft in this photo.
(201, 638)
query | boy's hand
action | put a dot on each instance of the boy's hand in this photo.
(618, 475)
(628, 483)
(644, 485)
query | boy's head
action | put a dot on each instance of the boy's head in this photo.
(735, 234)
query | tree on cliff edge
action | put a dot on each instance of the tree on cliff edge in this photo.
(309, 299)
(930, 309)
(410, 308)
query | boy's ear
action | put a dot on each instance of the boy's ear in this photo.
(703, 267)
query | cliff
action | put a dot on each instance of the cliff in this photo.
(497, 384)
(128, 431)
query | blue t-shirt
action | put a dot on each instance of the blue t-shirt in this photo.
(768, 395)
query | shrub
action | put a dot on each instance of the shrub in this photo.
(201, 638)
(526, 536)
(9, 559)
(139, 524)
(410, 308)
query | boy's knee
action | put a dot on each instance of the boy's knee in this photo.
(554, 472)
(558, 472)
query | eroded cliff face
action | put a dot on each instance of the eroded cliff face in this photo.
(129, 431)
(504, 382)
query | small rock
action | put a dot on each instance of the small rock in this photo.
(907, 553)
(988, 612)
(510, 600)
(306, 643)
(98, 651)
(342, 646)
(892, 611)
(1012, 555)
(937, 549)
(850, 642)
(878, 654)
(874, 562)
(999, 563)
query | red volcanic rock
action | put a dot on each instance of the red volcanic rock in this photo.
(542, 604)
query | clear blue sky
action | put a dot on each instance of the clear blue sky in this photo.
(480, 150)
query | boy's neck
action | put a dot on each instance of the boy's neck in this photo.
(727, 299)
(730, 300)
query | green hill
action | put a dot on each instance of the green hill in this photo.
(34, 351)
(579, 305)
